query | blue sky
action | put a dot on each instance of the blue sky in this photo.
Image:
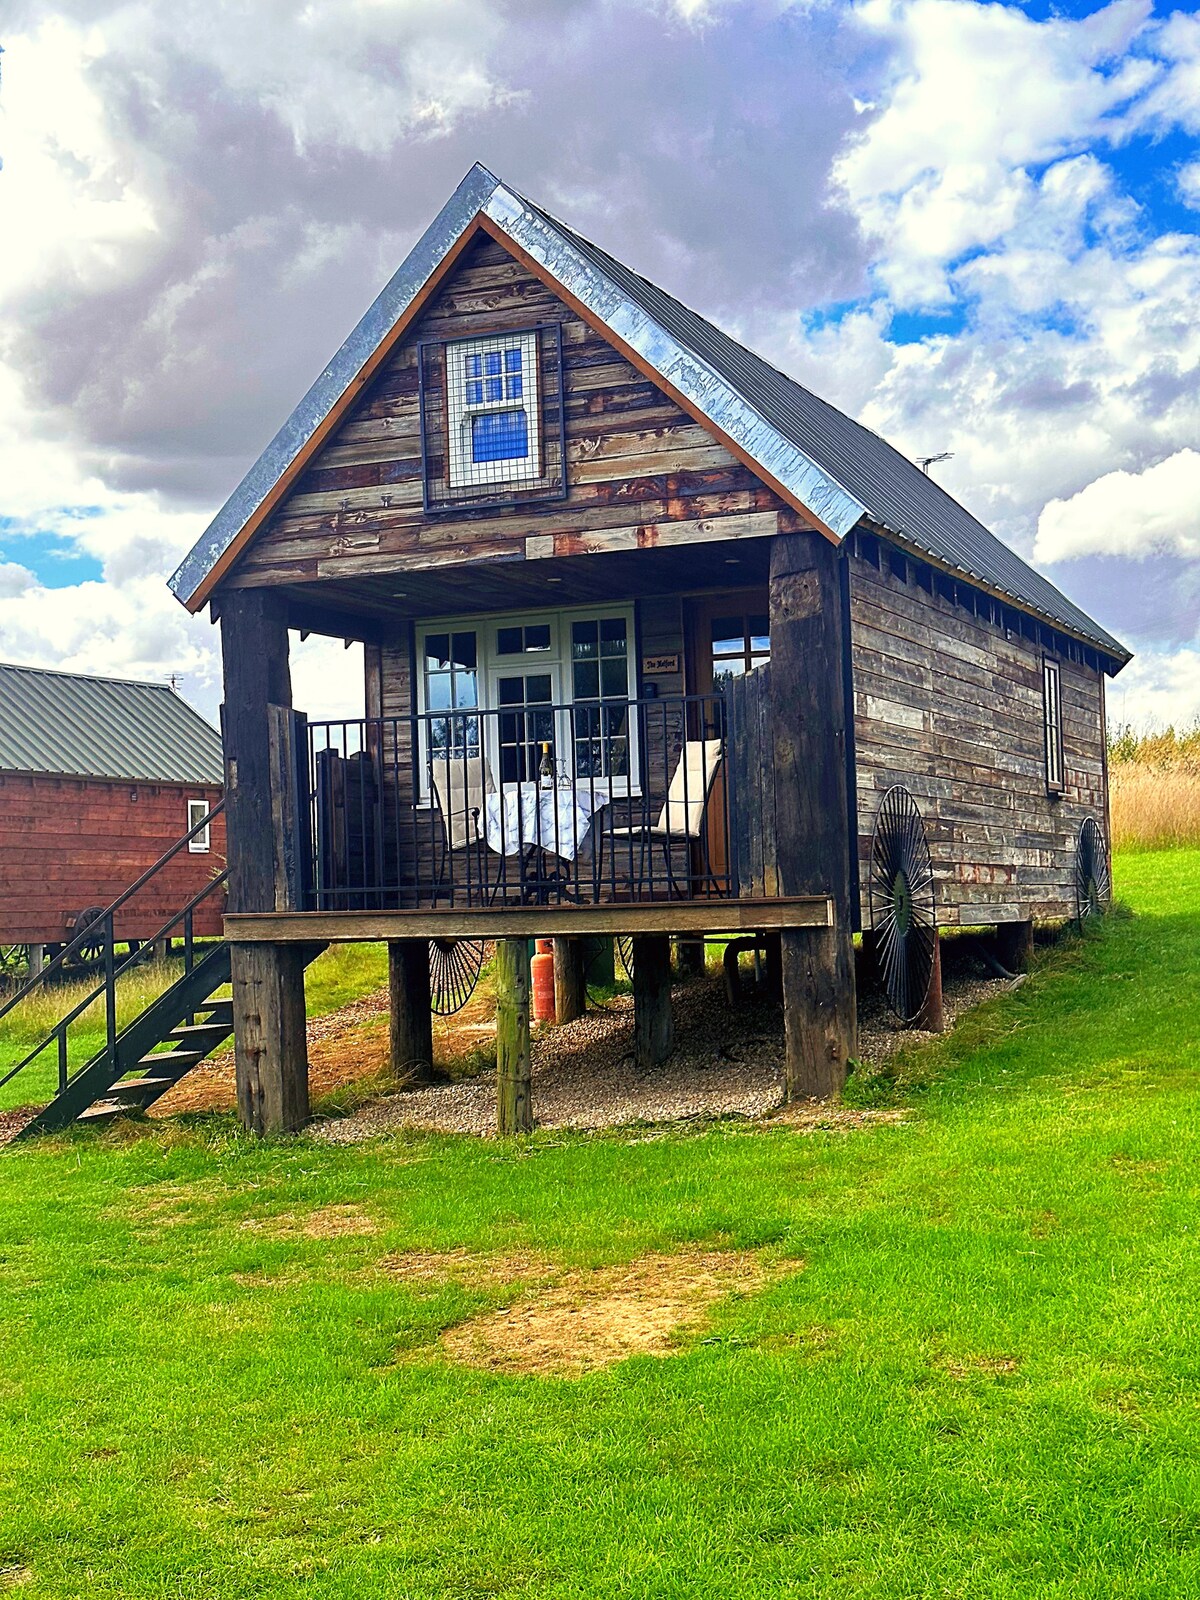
(974, 226)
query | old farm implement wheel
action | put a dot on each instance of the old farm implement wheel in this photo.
(624, 946)
(900, 891)
(454, 968)
(89, 938)
(1093, 886)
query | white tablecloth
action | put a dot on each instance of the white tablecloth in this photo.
(559, 819)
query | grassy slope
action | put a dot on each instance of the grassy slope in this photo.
(340, 974)
(980, 1380)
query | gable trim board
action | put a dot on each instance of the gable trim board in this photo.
(797, 444)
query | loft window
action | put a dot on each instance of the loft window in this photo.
(197, 811)
(493, 426)
(1052, 725)
(492, 410)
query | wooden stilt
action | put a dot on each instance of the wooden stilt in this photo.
(270, 1046)
(689, 958)
(932, 1017)
(514, 1103)
(1014, 945)
(653, 1024)
(411, 1017)
(37, 958)
(818, 1039)
(570, 979)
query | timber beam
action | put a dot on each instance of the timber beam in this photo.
(527, 922)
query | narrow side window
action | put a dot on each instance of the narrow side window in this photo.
(197, 810)
(1052, 724)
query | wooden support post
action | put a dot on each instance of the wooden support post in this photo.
(813, 1015)
(813, 828)
(514, 1101)
(1014, 945)
(410, 1012)
(689, 958)
(270, 1051)
(270, 1047)
(653, 1024)
(570, 979)
(932, 1016)
(37, 959)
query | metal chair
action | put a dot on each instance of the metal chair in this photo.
(461, 785)
(684, 816)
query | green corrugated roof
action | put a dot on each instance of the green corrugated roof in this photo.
(64, 722)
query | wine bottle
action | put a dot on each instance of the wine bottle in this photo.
(546, 769)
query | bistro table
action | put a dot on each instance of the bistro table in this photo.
(532, 823)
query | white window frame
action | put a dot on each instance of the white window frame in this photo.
(490, 666)
(202, 843)
(465, 472)
(1052, 726)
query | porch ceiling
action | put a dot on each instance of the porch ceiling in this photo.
(371, 607)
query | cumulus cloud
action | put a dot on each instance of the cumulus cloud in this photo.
(1127, 513)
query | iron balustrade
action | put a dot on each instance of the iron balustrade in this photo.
(103, 927)
(587, 801)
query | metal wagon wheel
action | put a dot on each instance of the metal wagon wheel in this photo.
(454, 968)
(13, 957)
(624, 946)
(902, 909)
(1093, 885)
(90, 936)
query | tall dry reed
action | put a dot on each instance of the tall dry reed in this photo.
(1155, 785)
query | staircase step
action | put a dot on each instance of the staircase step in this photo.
(200, 1031)
(170, 1061)
(139, 1086)
(218, 1010)
(102, 1111)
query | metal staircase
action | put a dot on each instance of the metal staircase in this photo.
(140, 1061)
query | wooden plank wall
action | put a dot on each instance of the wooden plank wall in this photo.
(641, 473)
(70, 843)
(950, 705)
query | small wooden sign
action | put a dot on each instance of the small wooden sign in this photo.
(652, 665)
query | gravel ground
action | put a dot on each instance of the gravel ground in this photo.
(726, 1063)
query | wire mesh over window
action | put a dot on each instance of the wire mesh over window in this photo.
(493, 425)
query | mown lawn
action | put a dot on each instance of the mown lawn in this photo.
(977, 1374)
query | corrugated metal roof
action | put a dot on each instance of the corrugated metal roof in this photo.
(832, 465)
(64, 722)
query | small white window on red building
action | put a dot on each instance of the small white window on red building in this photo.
(201, 843)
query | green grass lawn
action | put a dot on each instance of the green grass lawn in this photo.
(977, 1374)
(341, 973)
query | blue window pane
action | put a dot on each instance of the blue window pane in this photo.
(475, 393)
(491, 362)
(512, 361)
(494, 388)
(514, 387)
(500, 436)
(474, 366)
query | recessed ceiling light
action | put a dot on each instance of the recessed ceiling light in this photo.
(733, 561)
(399, 594)
(553, 580)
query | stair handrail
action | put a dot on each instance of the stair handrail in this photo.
(56, 965)
(107, 984)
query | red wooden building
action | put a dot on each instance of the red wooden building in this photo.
(98, 779)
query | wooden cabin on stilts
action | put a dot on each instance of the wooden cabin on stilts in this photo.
(658, 645)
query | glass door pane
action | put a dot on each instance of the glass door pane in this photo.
(526, 724)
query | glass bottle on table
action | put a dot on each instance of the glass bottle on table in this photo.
(546, 768)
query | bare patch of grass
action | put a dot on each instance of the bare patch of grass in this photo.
(590, 1320)
(977, 1366)
(467, 1267)
(327, 1222)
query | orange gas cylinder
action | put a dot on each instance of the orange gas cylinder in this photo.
(541, 970)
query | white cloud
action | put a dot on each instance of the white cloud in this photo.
(1127, 513)
(1158, 689)
(1187, 182)
(981, 93)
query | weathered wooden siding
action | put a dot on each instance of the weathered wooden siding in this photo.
(950, 706)
(70, 843)
(640, 472)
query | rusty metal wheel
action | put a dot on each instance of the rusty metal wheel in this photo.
(454, 968)
(901, 903)
(1093, 884)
